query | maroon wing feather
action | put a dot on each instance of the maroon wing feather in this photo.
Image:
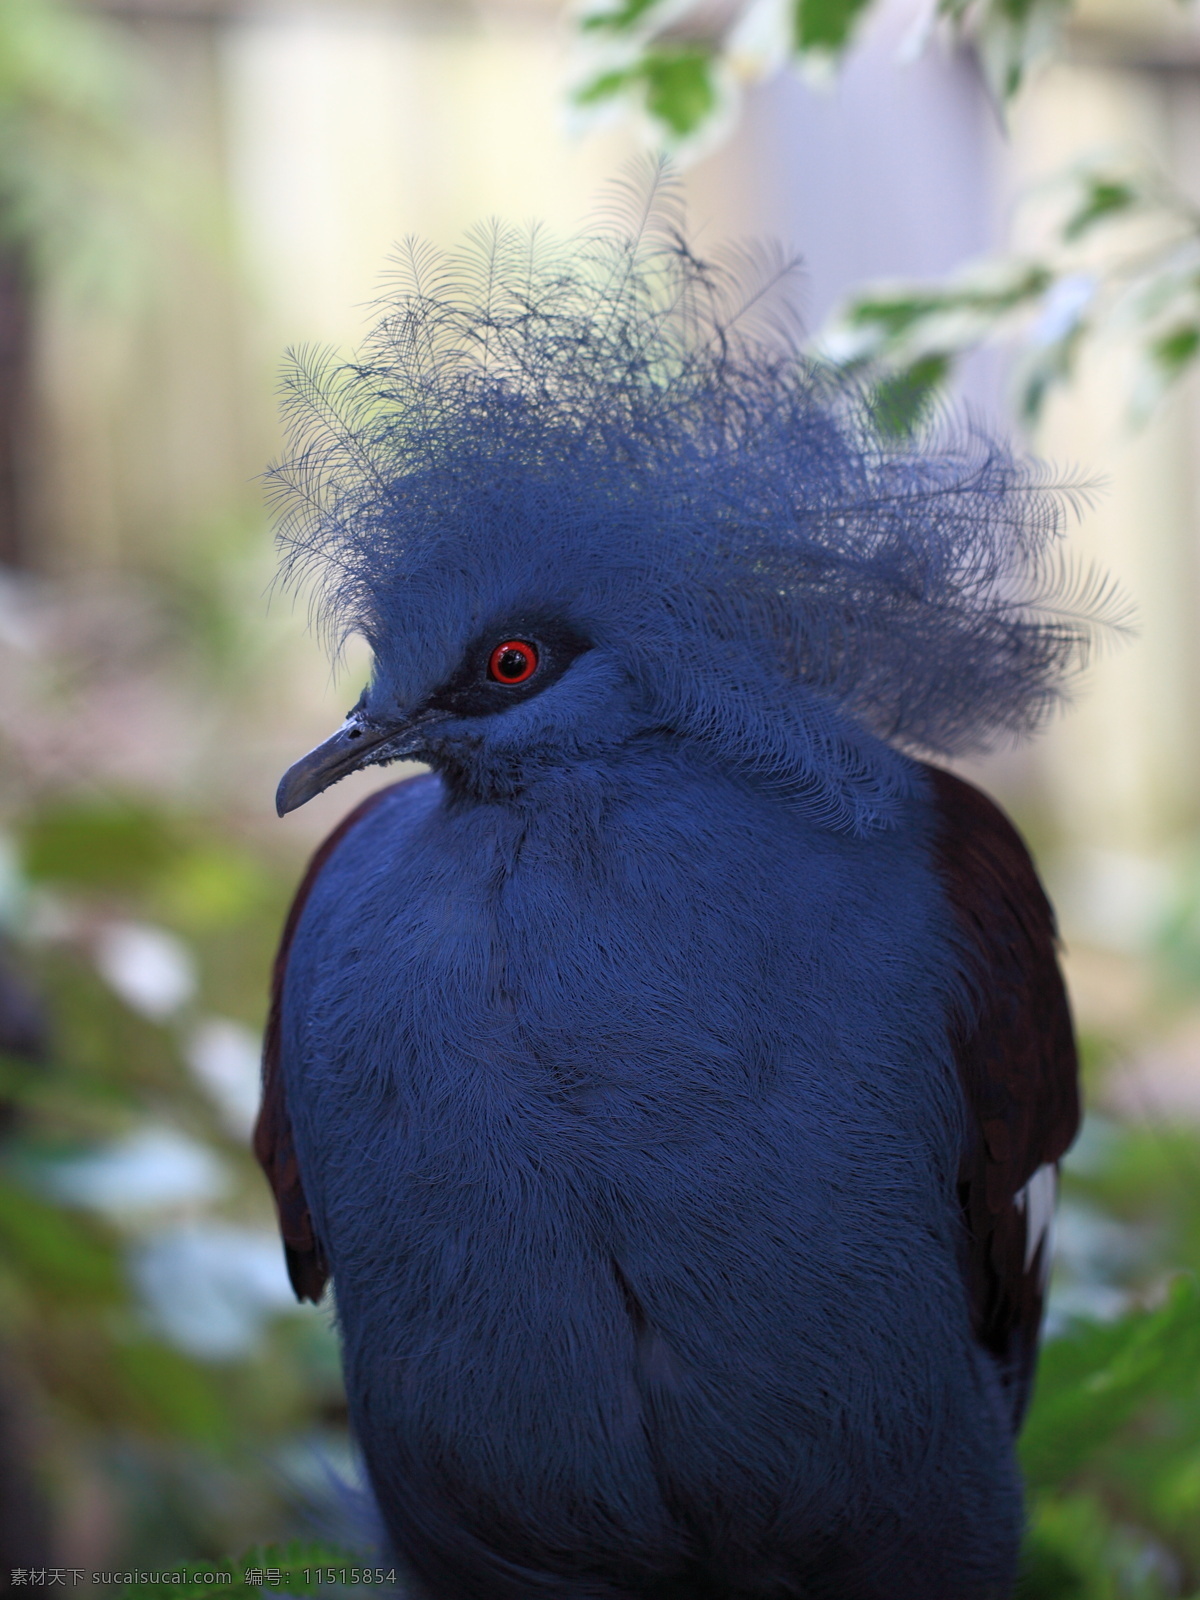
(273, 1142)
(1015, 1050)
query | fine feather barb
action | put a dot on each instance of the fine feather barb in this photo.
(623, 410)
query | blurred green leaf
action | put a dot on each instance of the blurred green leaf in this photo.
(889, 329)
(1091, 1384)
(167, 1393)
(825, 25)
(893, 315)
(20, 1078)
(680, 91)
(1149, 1171)
(679, 53)
(101, 1046)
(211, 886)
(1050, 366)
(1139, 291)
(1175, 351)
(1103, 198)
(907, 342)
(109, 843)
(1075, 1549)
(620, 19)
(60, 1253)
(900, 401)
(675, 83)
(1064, 1556)
(604, 86)
(186, 1445)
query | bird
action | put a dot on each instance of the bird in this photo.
(672, 1078)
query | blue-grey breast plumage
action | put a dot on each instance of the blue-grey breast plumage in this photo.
(672, 1081)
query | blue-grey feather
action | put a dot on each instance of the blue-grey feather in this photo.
(648, 1037)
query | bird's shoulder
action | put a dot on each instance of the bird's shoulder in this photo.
(1014, 1049)
(274, 1144)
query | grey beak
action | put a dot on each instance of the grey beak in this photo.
(356, 744)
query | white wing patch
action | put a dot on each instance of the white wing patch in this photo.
(1037, 1200)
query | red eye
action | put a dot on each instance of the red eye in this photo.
(513, 661)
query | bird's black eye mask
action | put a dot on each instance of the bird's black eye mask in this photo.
(509, 663)
(505, 665)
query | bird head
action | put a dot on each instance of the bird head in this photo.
(579, 496)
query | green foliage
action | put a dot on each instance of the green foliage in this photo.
(1172, 352)
(902, 399)
(187, 1442)
(67, 1259)
(635, 57)
(1099, 280)
(113, 842)
(1010, 36)
(1122, 266)
(903, 313)
(1177, 941)
(1093, 1383)
(1075, 1551)
(1102, 198)
(1111, 1447)
(824, 25)
(621, 19)
(132, 851)
(159, 1390)
(675, 85)
(677, 62)
(680, 91)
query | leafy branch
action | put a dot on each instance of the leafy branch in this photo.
(1122, 258)
(680, 62)
(1122, 264)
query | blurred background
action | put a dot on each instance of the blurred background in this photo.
(187, 187)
